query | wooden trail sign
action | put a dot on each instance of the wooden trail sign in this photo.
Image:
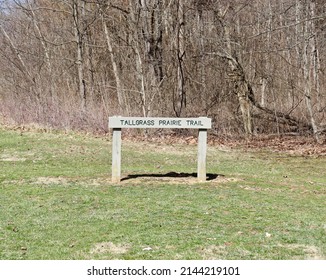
(117, 123)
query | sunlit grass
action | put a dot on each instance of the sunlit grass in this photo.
(57, 202)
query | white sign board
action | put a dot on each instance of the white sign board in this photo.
(134, 122)
(117, 123)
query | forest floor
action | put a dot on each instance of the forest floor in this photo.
(261, 201)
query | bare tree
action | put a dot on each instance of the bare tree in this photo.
(119, 86)
(308, 56)
(254, 66)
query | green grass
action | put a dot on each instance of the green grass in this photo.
(57, 202)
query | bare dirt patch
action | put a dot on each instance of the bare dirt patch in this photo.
(51, 181)
(11, 158)
(213, 252)
(109, 248)
(311, 252)
(17, 156)
(45, 181)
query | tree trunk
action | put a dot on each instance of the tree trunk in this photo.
(240, 85)
(179, 101)
(45, 49)
(307, 64)
(121, 102)
(79, 54)
(307, 90)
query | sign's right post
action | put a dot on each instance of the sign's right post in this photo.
(116, 155)
(202, 151)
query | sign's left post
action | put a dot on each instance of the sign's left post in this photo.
(116, 155)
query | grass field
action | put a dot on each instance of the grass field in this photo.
(57, 201)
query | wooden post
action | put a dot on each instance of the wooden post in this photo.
(202, 150)
(116, 155)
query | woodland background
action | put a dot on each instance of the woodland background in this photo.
(256, 67)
